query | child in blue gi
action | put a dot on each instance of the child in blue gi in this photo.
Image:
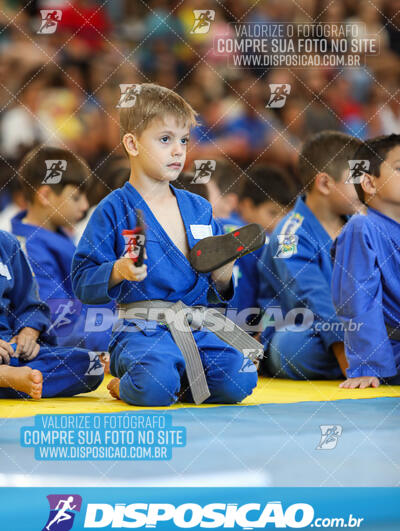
(264, 196)
(303, 338)
(150, 368)
(365, 283)
(30, 363)
(55, 182)
(223, 190)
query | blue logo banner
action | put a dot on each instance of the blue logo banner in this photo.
(370, 509)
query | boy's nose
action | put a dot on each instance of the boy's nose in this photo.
(177, 149)
(84, 203)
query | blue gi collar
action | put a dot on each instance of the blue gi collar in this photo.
(311, 223)
(19, 228)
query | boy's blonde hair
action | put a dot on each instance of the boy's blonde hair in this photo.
(154, 102)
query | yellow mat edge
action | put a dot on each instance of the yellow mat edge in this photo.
(268, 391)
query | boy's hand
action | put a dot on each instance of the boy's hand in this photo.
(125, 269)
(27, 346)
(222, 276)
(362, 382)
(6, 352)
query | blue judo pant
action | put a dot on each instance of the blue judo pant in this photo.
(303, 356)
(151, 367)
(300, 356)
(66, 372)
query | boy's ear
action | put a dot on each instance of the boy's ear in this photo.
(43, 194)
(131, 144)
(323, 183)
(368, 184)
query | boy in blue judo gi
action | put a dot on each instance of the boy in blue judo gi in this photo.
(30, 363)
(365, 282)
(303, 338)
(55, 182)
(155, 355)
(223, 190)
(264, 196)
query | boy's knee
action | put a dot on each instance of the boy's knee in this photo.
(232, 390)
(288, 355)
(284, 364)
(150, 392)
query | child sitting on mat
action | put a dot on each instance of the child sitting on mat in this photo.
(154, 364)
(302, 336)
(264, 198)
(30, 363)
(366, 288)
(55, 181)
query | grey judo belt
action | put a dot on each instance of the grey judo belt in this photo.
(179, 318)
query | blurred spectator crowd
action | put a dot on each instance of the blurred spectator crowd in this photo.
(63, 88)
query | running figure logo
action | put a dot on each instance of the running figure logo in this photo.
(203, 171)
(358, 169)
(50, 20)
(63, 508)
(66, 316)
(129, 92)
(133, 245)
(54, 171)
(279, 93)
(95, 368)
(329, 436)
(62, 312)
(202, 20)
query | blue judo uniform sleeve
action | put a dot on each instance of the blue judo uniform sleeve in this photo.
(66, 371)
(366, 294)
(20, 293)
(144, 356)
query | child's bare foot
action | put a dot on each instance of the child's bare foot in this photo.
(24, 379)
(113, 387)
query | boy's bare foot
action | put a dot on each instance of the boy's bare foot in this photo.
(24, 379)
(113, 387)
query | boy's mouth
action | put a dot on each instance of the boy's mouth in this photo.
(175, 165)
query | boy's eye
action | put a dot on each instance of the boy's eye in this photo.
(184, 140)
(164, 139)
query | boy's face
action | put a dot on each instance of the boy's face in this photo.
(162, 149)
(222, 204)
(388, 182)
(69, 207)
(267, 214)
(343, 196)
